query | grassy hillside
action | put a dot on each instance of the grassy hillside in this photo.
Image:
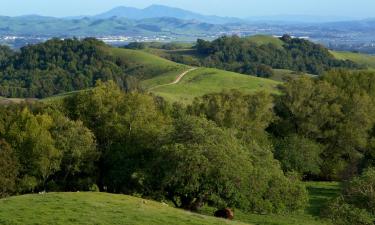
(266, 39)
(147, 65)
(281, 74)
(95, 208)
(206, 80)
(362, 59)
(102, 208)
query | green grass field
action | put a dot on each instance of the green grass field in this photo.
(362, 59)
(107, 209)
(281, 74)
(266, 39)
(147, 65)
(95, 208)
(206, 80)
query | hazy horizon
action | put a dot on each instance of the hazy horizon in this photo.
(339, 9)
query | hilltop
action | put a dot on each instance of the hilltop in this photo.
(207, 80)
(157, 11)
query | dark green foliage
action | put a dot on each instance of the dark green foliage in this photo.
(218, 166)
(332, 114)
(247, 115)
(57, 66)
(299, 154)
(8, 169)
(244, 56)
(159, 151)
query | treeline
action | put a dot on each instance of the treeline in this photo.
(132, 143)
(244, 56)
(58, 66)
(224, 149)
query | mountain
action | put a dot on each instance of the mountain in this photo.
(155, 11)
(88, 26)
(298, 19)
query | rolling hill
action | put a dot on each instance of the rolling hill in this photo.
(207, 80)
(362, 59)
(96, 208)
(266, 39)
(195, 83)
(102, 208)
(90, 26)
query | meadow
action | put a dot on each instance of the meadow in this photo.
(101, 208)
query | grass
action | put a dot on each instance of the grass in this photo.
(281, 74)
(362, 59)
(147, 65)
(96, 208)
(319, 194)
(266, 39)
(102, 208)
(207, 80)
(6, 101)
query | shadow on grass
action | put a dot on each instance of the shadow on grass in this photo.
(320, 194)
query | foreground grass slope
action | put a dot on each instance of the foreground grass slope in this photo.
(96, 208)
(101, 208)
(207, 80)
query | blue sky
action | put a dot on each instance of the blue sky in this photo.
(238, 8)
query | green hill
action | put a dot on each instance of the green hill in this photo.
(207, 80)
(362, 59)
(96, 208)
(102, 208)
(266, 39)
(147, 65)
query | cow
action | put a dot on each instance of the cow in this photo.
(226, 213)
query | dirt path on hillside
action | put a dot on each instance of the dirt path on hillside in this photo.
(178, 79)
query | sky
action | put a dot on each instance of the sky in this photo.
(234, 8)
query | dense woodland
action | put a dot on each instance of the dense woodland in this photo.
(229, 149)
(244, 56)
(58, 66)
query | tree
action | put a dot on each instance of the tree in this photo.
(247, 115)
(9, 167)
(299, 154)
(202, 163)
(33, 144)
(336, 118)
(79, 154)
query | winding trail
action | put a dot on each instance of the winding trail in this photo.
(178, 79)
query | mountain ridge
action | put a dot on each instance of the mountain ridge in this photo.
(156, 11)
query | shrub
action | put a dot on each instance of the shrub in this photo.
(341, 213)
(356, 205)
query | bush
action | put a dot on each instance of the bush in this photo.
(361, 191)
(357, 203)
(341, 213)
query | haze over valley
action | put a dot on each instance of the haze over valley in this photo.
(160, 23)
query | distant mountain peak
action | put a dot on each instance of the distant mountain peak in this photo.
(156, 11)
